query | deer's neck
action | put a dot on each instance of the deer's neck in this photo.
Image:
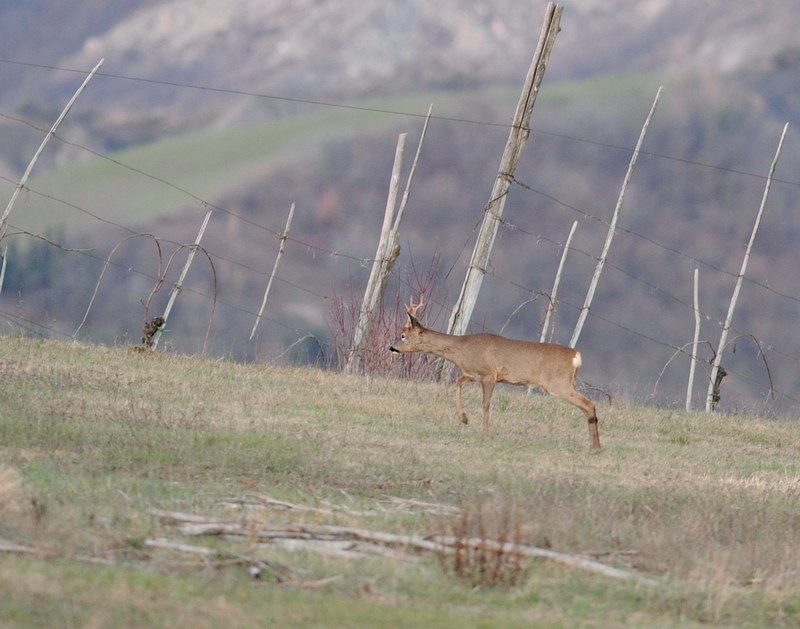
(445, 346)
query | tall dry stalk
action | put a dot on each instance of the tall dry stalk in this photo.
(486, 564)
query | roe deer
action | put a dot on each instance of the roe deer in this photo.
(489, 359)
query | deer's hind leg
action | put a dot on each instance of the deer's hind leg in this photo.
(570, 394)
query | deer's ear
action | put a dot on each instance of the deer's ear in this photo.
(414, 322)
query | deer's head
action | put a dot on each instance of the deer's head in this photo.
(411, 336)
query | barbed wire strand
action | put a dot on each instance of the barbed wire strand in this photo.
(149, 276)
(364, 260)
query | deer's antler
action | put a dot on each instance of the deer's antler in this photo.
(413, 308)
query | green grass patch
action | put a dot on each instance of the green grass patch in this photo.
(92, 438)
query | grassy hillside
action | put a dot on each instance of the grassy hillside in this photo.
(211, 163)
(92, 438)
(208, 163)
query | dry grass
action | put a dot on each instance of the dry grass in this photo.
(708, 504)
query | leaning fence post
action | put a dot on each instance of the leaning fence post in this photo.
(50, 134)
(365, 316)
(551, 306)
(612, 227)
(177, 286)
(520, 130)
(3, 268)
(388, 249)
(274, 270)
(711, 398)
(693, 364)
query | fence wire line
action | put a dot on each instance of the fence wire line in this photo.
(392, 112)
(303, 333)
(400, 279)
(146, 275)
(675, 348)
(30, 325)
(363, 260)
(588, 215)
(200, 200)
(642, 281)
(366, 261)
(162, 239)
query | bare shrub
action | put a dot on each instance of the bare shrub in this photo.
(479, 556)
(418, 284)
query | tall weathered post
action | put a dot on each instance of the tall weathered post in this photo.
(520, 130)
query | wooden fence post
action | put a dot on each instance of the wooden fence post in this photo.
(26, 174)
(693, 364)
(3, 268)
(551, 306)
(711, 397)
(612, 227)
(520, 130)
(50, 134)
(387, 252)
(364, 324)
(177, 286)
(274, 270)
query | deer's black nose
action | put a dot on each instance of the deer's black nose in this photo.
(392, 349)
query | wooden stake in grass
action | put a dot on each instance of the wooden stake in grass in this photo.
(274, 270)
(3, 268)
(50, 134)
(176, 288)
(520, 130)
(612, 227)
(554, 294)
(711, 397)
(388, 249)
(693, 364)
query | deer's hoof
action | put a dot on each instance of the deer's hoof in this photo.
(464, 418)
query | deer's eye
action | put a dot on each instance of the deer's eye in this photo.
(402, 336)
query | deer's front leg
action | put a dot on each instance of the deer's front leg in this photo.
(487, 384)
(459, 407)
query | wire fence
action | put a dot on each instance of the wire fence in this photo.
(354, 265)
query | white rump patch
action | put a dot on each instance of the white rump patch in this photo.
(576, 360)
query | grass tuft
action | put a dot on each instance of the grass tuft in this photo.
(475, 562)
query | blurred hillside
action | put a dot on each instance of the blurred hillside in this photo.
(213, 97)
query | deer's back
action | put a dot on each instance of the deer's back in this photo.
(514, 361)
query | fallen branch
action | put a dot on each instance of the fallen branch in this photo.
(318, 583)
(12, 547)
(255, 565)
(266, 502)
(431, 506)
(193, 525)
(573, 561)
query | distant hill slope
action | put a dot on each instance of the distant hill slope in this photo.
(347, 48)
(731, 74)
